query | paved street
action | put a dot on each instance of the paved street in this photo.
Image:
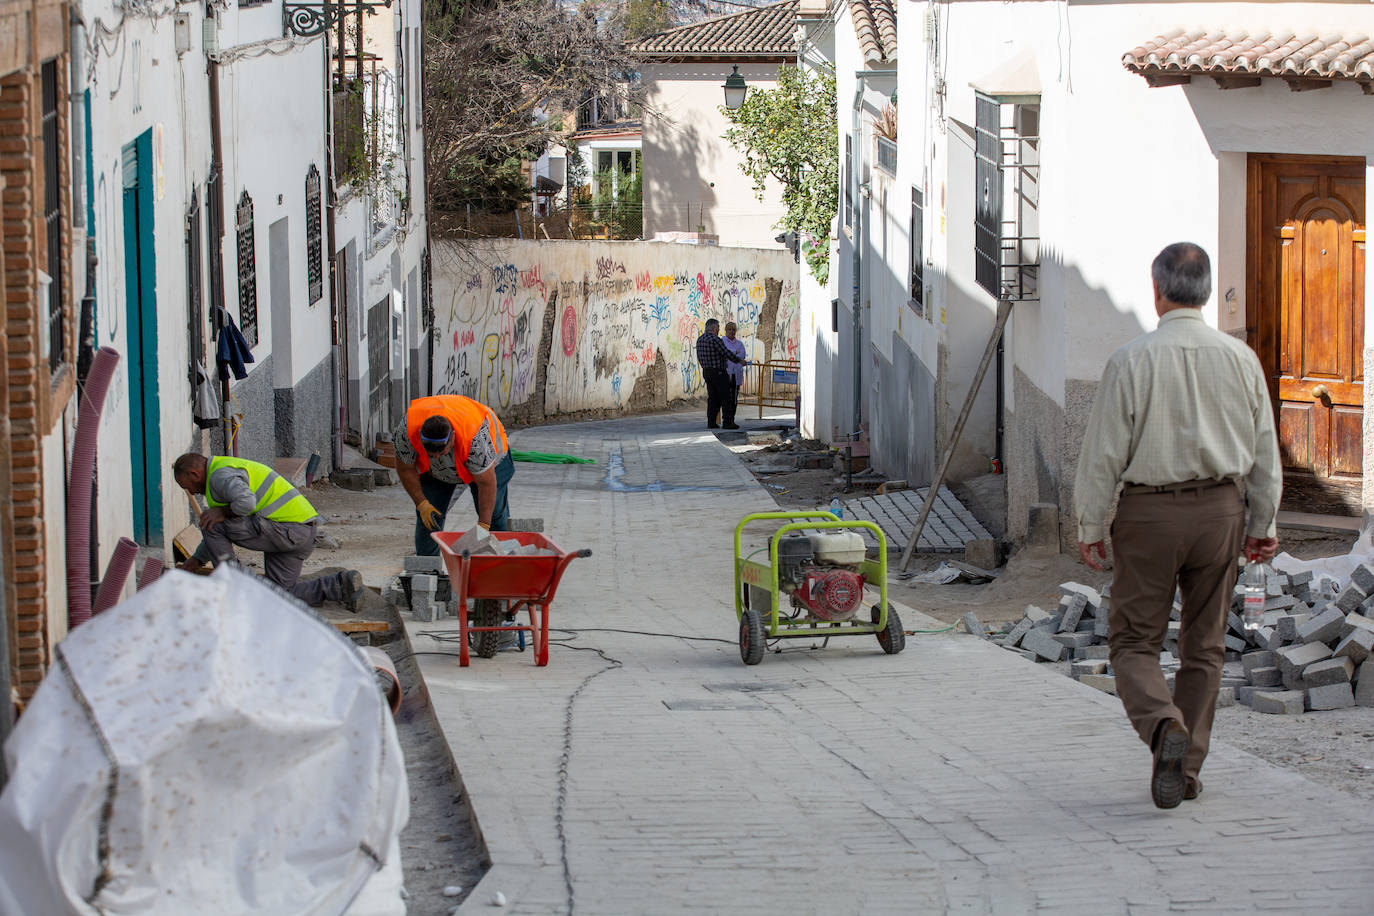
(955, 777)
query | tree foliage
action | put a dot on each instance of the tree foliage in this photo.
(502, 81)
(790, 134)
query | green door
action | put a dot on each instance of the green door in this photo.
(140, 295)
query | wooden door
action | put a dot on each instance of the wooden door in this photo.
(1306, 320)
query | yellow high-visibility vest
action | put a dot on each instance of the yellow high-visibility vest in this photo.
(277, 499)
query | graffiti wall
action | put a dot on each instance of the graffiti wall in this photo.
(543, 329)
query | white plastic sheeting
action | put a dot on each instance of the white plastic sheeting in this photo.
(1337, 568)
(208, 746)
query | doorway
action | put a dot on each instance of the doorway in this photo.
(1305, 276)
(140, 296)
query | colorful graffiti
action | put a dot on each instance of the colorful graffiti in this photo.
(623, 310)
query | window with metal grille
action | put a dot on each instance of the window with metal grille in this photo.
(195, 309)
(314, 247)
(917, 232)
(848, 181)
(987, 230)
(52, 217)
(248, 272)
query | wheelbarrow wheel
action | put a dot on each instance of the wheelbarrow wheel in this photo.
(891, 637)
(486, 612)
(751, 641)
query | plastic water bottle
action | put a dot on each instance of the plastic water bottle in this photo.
(836, 509)
(1255, 591)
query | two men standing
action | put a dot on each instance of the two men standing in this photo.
(714, 355)
(1182, 415)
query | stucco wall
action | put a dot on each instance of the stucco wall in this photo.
(691, 174)
(545, 329)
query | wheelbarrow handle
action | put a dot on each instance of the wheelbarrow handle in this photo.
(585, 552)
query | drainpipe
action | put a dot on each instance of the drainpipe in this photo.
(215, 198)
(997, 467)
(331, 203)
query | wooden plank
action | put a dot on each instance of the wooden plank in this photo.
(362, 626)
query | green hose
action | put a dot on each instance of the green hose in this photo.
(549, 458)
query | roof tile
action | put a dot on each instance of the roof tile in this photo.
(767, 30)
(1277, 54)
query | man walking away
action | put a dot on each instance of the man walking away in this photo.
(713, 355)
(1181, 415)
(446, 440)
(736, 373)
(252, 506)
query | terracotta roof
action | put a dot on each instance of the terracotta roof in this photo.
(875, 25)
(1242, 59)
(766, 31)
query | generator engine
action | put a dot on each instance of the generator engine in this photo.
(821, 572)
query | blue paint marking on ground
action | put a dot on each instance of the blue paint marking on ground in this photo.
(615, 469)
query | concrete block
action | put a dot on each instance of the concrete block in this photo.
(1074, 640)
(983, 553)
(1091, 595)
(1357, 647)
(394, 596)
(1288, 626)
(1234, 623)
(1292, 659)
(525, 524)
(1301, 578)
(1244, 694)
(1355, 622)
(1087, 624)
(1226, 696)
(353, 479)
(1088, 667)
(1070, 612)
(1101, 625)
(1049, 624)
(1362, 577)
(1013, 637)
(1367, 607)
(1042, 526)
(1269, 639)
(1330, 696)
(1292, 680)
(414, 564)
(1281, 703)
(973, 626)
(1174, 629)
(1043, 645)
(1281, 603)
(1027, 654)
(422, 610)
(1095, 653)
(1252, 660)
(1350, 598)
(1035, 615)
(1329, 671)
(1266, 677)
(1324, 627)
(1103, 682)
(1235, 643)
(423, 584)
(1364, 684)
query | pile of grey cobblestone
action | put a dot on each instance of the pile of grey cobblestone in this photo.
(1314, 649)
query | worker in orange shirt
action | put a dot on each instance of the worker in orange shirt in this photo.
(447, 440)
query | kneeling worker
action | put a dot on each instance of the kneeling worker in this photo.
(446, 440)
(253, 506)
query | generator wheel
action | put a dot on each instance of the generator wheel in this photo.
(486, 612)
(751, 640)
(892, 637)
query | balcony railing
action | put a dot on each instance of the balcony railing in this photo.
(887, 156)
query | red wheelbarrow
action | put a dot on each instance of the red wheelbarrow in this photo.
(502, 586)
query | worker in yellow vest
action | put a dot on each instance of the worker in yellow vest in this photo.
(446, 440)
(252, 506)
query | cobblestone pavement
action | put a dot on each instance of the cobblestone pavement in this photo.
(948, 528)
(954, 777)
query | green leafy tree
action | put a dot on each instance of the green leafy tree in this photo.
(790, 134)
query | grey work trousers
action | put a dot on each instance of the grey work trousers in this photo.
(284, 546)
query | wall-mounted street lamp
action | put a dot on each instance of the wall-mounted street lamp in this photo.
(735, 90)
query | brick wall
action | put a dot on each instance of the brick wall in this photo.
(32, 398)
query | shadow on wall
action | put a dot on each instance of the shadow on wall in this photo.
(678, 194)
(1045, 430)
(539, 330)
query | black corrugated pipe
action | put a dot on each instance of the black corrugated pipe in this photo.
(79, 486)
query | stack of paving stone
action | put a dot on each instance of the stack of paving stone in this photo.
(424, 586)
(1314, 649)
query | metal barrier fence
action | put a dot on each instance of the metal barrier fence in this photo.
(771, 384)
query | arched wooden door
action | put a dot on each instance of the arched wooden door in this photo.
(1306, 320)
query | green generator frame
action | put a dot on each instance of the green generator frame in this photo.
(756, 584)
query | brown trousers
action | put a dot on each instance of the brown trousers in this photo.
(1192, 538)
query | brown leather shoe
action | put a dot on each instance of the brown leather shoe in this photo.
(1167, 783)
(1194, 789)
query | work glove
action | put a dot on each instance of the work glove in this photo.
(431, 517)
